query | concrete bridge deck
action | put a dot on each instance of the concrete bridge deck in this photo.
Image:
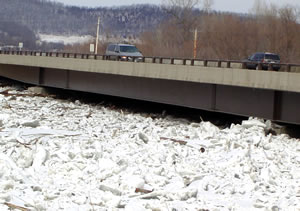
(267, 94)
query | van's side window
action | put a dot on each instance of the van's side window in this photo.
(111, 48)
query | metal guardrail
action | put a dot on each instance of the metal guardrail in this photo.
(284, 67)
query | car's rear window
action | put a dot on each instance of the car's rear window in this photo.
(272, 56)
(129, 49)
(257, 56)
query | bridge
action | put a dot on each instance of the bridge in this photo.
(213, 85)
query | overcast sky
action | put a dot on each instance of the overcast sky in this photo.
(223, 5)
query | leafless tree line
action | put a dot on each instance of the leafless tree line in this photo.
(267, 28)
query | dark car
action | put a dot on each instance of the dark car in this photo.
(265, 59)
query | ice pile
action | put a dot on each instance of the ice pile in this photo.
(62, 155)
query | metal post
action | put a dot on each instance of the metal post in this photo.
(195, 43)
(288, 68)
(228, 65)
(244, 65)
(97, 38)
(219, 63)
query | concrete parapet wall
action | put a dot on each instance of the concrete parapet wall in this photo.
(295, 69)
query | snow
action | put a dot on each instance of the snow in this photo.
(62, 155)
(66, 40)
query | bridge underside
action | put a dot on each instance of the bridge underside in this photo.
(269, 104)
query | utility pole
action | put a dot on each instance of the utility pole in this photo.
(195, 43)
(97, 38)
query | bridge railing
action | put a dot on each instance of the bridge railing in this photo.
(283, 67)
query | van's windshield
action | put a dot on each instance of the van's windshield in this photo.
(129, 49)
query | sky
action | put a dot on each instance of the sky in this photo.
(242, 6)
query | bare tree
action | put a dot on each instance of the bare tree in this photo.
(183, 15)
(207, 5)
(289, 32)
(178, 8)
(277, 29)
(258, 7)
(228, 36)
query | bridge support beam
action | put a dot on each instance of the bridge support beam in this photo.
(42, 76)
(25, 74)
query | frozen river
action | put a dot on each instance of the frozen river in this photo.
(61, 155)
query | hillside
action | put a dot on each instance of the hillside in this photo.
(46, 17)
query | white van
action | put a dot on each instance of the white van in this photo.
(123, 52)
